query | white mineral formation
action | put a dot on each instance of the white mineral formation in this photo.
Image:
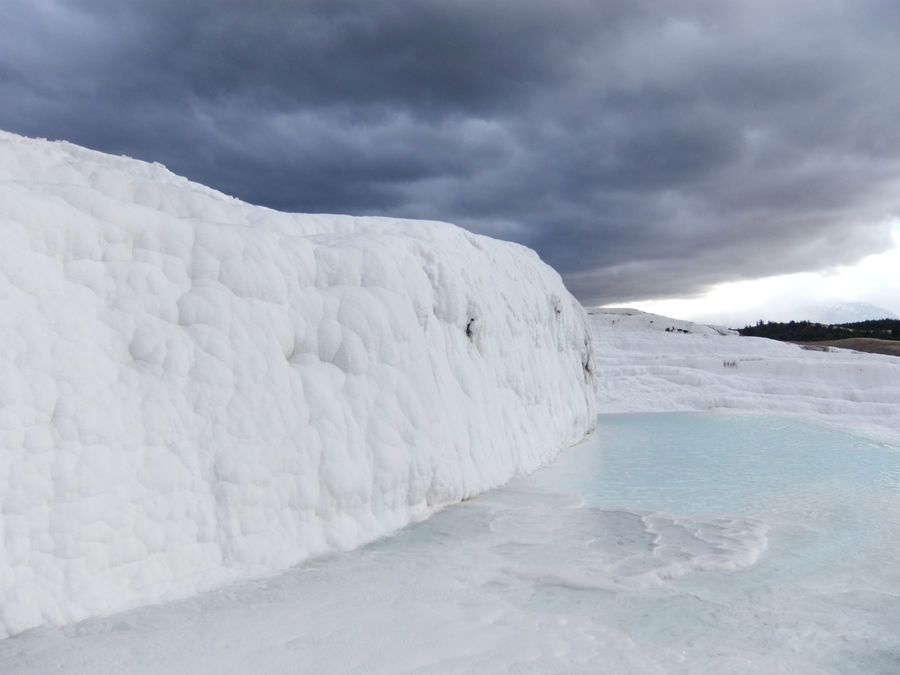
(195, 390)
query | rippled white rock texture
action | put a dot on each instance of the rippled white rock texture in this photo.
(651, 363)
(195, 390)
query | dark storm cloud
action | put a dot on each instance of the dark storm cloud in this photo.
(642, 148)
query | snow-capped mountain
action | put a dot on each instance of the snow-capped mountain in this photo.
(845, 312)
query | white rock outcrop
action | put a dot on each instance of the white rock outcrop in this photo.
(195, 390)
(652, 363)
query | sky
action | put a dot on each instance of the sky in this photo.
(821, 296)
(645, 149)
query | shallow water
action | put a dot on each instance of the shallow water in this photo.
(825, 589)
(682, 542)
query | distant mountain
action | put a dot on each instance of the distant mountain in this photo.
(845, 312)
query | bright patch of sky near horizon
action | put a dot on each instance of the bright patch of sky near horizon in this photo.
(874, 280)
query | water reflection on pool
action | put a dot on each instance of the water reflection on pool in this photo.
(824, 592)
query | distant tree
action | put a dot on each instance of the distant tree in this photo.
(807, 331)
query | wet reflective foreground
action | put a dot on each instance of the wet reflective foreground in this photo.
(685, 542)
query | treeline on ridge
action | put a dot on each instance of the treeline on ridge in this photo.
(807, 331)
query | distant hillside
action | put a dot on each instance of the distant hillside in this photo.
(807, 331)
(871, 345)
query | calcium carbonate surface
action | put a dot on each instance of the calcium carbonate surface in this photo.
(195, 390)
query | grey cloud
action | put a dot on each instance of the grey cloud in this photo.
(644, 149)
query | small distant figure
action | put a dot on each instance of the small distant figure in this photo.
(729, 364)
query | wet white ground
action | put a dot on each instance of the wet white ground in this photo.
(673, 542)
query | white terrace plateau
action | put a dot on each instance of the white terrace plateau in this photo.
(194, 390)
